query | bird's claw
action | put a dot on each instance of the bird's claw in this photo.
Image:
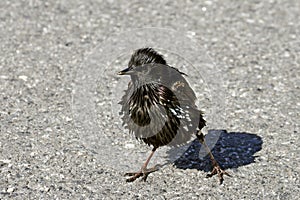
(217, 170)
(144, 173)
(134, 176)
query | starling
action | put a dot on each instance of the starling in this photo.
(159, 108)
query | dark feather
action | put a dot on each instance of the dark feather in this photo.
(159, 106)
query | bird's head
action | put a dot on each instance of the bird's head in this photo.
(140, 58)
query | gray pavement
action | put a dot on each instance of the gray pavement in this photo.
(43, 155)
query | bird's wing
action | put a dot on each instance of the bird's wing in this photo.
(175, 80)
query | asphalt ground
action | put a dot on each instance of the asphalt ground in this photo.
(47, 47)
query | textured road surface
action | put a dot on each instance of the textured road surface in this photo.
(43, 43)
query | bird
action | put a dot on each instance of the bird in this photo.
(159, 108)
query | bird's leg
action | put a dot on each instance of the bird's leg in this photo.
(216, 167)
(144, 171)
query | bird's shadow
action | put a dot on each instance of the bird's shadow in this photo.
(231, 150)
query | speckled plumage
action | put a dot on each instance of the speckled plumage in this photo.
(159, 108)
(159, 93)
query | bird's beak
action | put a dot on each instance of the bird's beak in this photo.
(126, 71)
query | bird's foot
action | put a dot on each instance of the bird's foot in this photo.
(218, 170)
(144, 172)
